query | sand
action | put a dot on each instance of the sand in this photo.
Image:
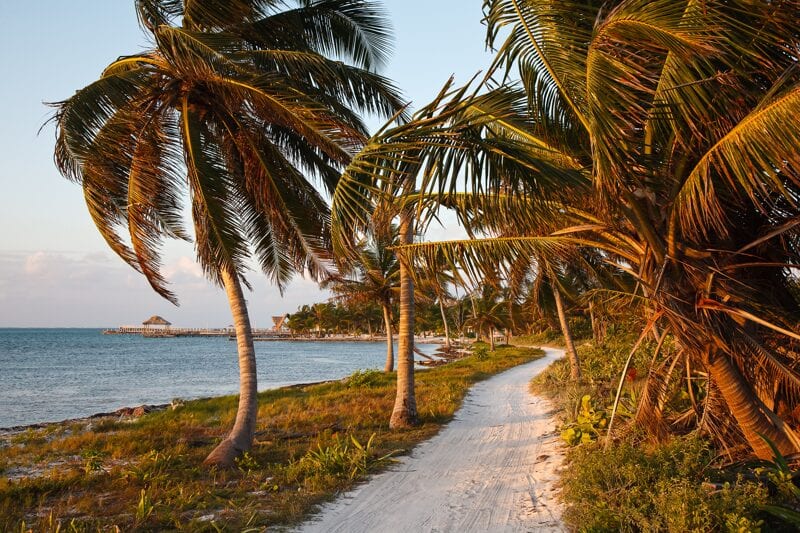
(493, 468)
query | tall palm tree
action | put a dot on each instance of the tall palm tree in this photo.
(236, 106)
(376, 279)
(382, 178)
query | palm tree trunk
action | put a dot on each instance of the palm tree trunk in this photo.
(240, 438)
(595, 325)
(405, 404)
(574, 365)
(491, 338)
(444, 321)
(749, 411)
(387, 319)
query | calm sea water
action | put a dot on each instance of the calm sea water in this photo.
(55, 374)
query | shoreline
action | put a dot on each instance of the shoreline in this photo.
(133, 412)
(65, 410)
(122, 412)
(117, 460)
(421, 340)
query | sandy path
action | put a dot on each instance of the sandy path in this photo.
(492, 468)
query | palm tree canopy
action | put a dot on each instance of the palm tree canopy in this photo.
(373, 275)
(237, 105)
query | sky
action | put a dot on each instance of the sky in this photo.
(55, 269)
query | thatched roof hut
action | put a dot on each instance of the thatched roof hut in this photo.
(156, 320)
(279, 322)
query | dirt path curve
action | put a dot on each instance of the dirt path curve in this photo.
(492, 468)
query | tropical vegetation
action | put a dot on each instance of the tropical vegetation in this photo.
(658, 136)
(628, 161)
(680, 483)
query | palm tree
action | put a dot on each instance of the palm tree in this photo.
(436, 282)
(382, 179)
(404, 412)
(691, 141)
(238, 103)
(377, 276)
(490, 312)
(321, 315)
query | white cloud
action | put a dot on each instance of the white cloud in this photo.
(52, 289)
(183, 266)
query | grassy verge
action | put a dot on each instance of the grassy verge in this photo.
(636, 484)
(144, 474)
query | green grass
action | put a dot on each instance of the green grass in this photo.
(312, 442)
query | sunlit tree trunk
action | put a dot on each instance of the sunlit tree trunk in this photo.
(387, 319)
(491, 338)
(749, 411)
(444, 321)
(405, 404)
(572, 355)
(595, 325)
(240, 438)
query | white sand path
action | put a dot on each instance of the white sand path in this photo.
(493, 468)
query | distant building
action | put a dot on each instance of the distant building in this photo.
(156, 322)
(280, 324)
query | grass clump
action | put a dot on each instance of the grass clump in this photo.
(312, 442)
(338, 459)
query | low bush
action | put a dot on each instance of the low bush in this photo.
(631, 488)
(636, 485)
(365, 378)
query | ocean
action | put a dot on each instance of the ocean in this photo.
(49, 375)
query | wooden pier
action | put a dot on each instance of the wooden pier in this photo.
(167, 332)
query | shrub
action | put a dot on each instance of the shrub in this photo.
(364, 378)
(658, 490)
(481, 352)
(589, 422)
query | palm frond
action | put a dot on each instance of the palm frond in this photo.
(757, 158)
(354, 30)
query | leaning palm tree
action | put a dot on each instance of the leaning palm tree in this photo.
(236, 106)
(685, 114)
(436, 283)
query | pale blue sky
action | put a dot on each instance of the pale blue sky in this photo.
(55, 270)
